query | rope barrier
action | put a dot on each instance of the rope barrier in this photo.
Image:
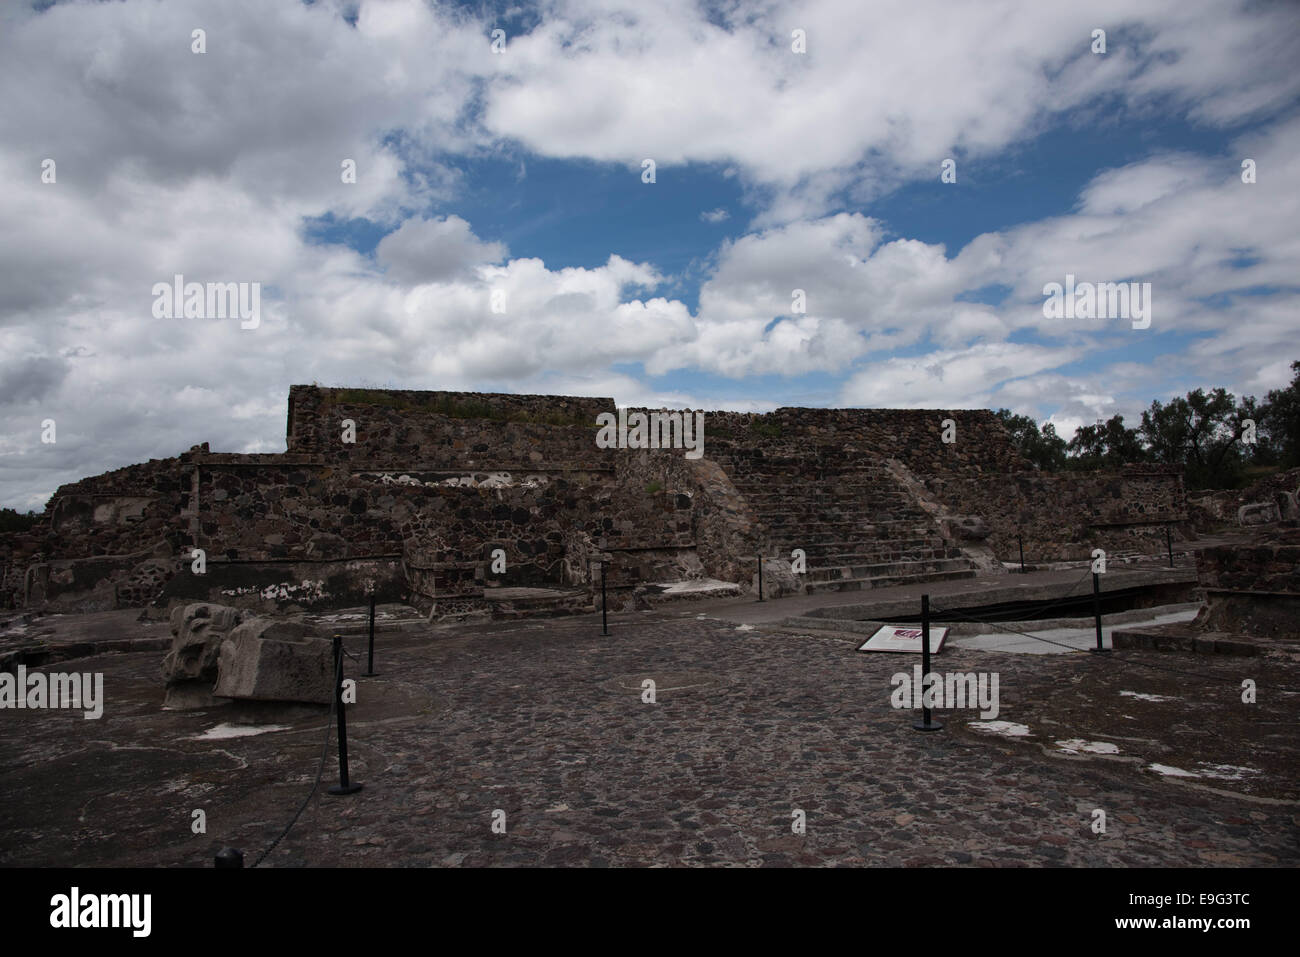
(320, 770)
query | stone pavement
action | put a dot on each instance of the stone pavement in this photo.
(545, 722)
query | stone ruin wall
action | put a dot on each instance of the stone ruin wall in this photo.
(1063, 516)
(910, 436)
(1252, 589)
(426, 485)
(445, 429)
(1210, 511)
(316, 525)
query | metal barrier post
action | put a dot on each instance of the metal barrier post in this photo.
(926, 724)
(228, 857)
(344, 786)
(1096, 609)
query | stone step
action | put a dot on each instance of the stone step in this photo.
(861, 546)
(792, 503)
(861, 533)
(828, 476)
(864, 584)
(825, 484)
(813, 487)
(885, 556)
(876, 555)
(873, 525)
(867, 534)
(773, 518)
(887, 569)
(869, 551)
(517, 602)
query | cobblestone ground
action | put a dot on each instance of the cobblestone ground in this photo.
(545, 722)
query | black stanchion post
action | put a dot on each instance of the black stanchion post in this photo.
(228, 857)
(760, 577)
(1096, 608)
(1169, 544)
(604, 603)
(926, 724)
(344, 786)
(1021, 542)
(370, 655)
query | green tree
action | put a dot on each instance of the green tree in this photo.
(1279, 422)
(12, 521)
(1042, 447)
(1106, 445)
(1201, 433)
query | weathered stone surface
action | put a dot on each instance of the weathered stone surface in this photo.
(145, 581)
(269, 660)
(968, 528)
(190, 667)
(549, 725)
(1287, 505)
(478, 472)
(1257, 513)
(1251, 589)
(197, 631)
(326, 545)
(778, 579)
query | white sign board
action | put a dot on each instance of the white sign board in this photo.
(904, 638)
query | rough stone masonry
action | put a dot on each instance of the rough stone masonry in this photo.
(469, 504)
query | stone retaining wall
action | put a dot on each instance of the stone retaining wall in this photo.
(1251, 589)
(1063, 516)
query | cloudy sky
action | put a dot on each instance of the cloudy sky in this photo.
(795, 146)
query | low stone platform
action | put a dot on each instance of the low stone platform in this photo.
(32, 639)
(1185, 637)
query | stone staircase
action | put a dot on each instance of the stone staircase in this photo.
(859, 528)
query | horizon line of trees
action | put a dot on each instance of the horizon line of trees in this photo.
(12, 520)
(1218, 441)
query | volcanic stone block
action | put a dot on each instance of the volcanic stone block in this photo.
(971, 528)
(268, 660)
(197, 633)
(190, 667)
(779, 579)
(1257, 513)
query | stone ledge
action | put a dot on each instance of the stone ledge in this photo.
(1184, 637)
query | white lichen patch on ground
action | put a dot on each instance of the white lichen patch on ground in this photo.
(1080, 746)
(1224, 772)
(691, 585)
(1146, 697)
(223, 731)
(1171, 772)
(1008, 728)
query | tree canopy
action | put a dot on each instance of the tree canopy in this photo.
(1216, 439)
